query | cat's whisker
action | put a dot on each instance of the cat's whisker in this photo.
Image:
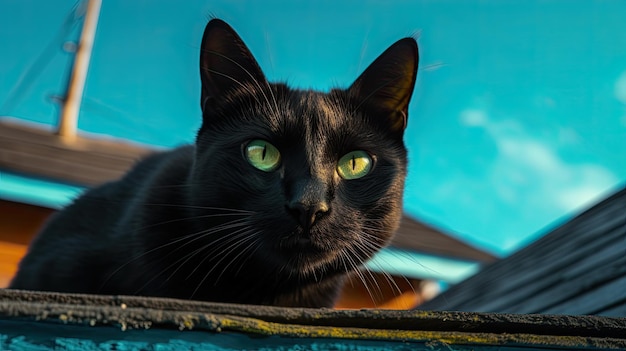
(234, 259)
(212, 208)
(212, 215)
(404, 255)
(393, 284)
(314, 271)
(256, 242)
(186, 257)
(219, 244)
(232, 248)
(395, 288)
(370, 246)
(269, 87)
(366, 252)
(433, 66)
(216, 229)
(371, 243)
(198, 235)
(202, 248)
(175, 186)
(343, 261)
(359, 274)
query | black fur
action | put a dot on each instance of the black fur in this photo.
(201, 222)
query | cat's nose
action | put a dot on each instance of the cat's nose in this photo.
(307, 215)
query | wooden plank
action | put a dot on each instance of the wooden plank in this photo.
(86, 161)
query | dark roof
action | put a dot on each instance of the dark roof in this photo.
(417, 236)
(578, 268)
(86, 161)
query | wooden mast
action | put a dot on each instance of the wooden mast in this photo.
(71, 105)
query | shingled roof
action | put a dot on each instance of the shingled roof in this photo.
(577, 268)
(35, 151)
(417, 236)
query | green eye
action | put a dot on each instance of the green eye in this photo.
(354, 165)
(262, 155)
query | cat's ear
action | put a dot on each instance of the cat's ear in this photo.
(225, 62)
(386, 86)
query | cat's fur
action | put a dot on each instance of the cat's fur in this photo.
(201, 222)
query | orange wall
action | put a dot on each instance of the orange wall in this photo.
(18, 224)
(389, 292)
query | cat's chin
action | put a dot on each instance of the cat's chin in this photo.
(301, 254)
(300, 247)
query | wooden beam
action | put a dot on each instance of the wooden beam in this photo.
(71, 105)
(86, 161)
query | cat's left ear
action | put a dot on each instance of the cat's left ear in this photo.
(226, 63)
(386, 86)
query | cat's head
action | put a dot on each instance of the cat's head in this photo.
(321, 174)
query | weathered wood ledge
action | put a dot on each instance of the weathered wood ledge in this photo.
(450, 328)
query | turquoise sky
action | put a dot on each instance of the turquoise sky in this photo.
(518, 120)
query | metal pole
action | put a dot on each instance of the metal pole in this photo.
(71, 105)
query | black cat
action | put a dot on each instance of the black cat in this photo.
(284, 192)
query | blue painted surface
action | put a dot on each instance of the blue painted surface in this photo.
(29, 190)
(48, 337)
(45, 337)
(422, 266)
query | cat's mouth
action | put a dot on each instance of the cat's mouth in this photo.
(299, 249)
(301, 255)
(300, 244)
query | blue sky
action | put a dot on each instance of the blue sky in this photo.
(518, 120)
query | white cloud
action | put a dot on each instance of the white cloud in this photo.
(473, 118)
(529, 173)
(516, 191)
(620, 93)
(582, 196)
(538, 176)
(620, 88)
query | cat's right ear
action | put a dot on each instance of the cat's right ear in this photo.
(226, 63)
(387, 84)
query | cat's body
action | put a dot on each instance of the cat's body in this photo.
(283, 193)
